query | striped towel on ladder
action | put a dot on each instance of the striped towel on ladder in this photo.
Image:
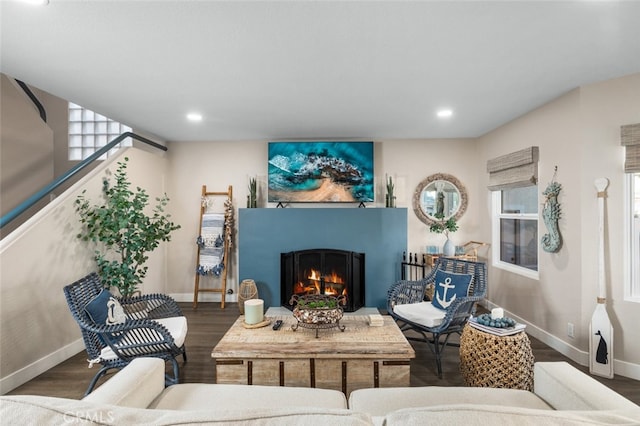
(211, 243)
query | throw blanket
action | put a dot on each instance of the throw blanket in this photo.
(211, 242)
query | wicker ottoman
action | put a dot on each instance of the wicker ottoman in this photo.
(487, 360)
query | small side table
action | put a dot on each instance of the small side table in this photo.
(487, 360)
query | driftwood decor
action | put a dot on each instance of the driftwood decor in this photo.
(552, 241)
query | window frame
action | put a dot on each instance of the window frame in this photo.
(496, 215)
(631, 242)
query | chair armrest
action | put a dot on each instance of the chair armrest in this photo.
(136, 385)
(153, 306)
(135, 337)
(458, 312)
(405, 291)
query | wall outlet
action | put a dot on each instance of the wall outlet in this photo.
(570, 330)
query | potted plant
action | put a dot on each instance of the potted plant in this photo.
(390, 198)
(317, 308)
(123, 232)
(443, 226)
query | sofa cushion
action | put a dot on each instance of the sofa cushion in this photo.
(200, 396)
(449, 286)
(498, 415)
(42, 411)
(421, 313)
(381, 401)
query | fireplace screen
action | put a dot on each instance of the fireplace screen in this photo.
(323, 271)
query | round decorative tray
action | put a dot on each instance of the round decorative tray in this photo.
(318, 311)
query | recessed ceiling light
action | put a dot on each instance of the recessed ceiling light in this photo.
(444, 113)
(194, 116)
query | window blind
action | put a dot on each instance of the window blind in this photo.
(630, 139)
(514, 170)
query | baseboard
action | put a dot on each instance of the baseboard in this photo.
(621, 368)
(38, 367)
(203, 297)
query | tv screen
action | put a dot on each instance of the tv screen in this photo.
(320, 172)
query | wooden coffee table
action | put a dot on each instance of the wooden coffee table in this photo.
(359, 357)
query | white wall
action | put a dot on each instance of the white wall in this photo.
(580, 133)
(37, 260)
(26, 150)
(220, 164)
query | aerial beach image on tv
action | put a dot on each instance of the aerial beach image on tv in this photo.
(321, 172)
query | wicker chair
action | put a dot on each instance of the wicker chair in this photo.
(142, 335)
(456, 314)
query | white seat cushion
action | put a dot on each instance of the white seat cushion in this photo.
(423, 313)
(177, 327)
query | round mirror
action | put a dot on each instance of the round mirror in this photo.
(439, 195)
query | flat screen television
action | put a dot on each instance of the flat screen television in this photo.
(320, 172)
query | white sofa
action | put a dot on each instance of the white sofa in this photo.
(136, 395)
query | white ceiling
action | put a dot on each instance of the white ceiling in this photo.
(341, 69)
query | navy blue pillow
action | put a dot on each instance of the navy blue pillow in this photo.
(104, 309)
(448, 287)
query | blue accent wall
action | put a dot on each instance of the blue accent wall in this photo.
(264, 233)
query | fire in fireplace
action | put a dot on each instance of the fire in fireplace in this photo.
(323, 271)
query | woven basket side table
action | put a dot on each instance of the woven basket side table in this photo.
(487, 360)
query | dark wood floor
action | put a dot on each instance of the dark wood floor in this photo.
(208, 324)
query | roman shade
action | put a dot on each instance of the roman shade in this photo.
(630, 139)
(514, 170)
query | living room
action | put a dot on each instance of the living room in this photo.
(578, 132)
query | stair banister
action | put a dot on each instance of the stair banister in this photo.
(29, 202)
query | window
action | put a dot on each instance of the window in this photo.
(515, 230)
(632, 291)
(90, 131)
(630, 140)
(513, 181)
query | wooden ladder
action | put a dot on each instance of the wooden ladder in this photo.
(223, 279)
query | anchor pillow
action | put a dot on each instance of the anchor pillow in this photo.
(449, 287)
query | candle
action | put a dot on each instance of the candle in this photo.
(253, 311)
(497, 313)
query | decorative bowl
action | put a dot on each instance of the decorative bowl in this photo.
(318, 308)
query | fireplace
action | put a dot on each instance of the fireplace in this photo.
(323, 271)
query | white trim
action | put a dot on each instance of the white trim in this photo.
(621, 368)
(631, 248)
(40, 366)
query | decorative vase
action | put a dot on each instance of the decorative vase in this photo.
(449, 249)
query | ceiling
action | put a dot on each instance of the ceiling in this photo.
(272, 70)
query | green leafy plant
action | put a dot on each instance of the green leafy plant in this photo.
(252, 200)
(318, 304)
(440, 225)
(123, 231)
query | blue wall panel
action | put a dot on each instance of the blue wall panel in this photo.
(266, 232)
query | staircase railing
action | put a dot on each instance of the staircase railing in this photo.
(34, 99)
(29, 202)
